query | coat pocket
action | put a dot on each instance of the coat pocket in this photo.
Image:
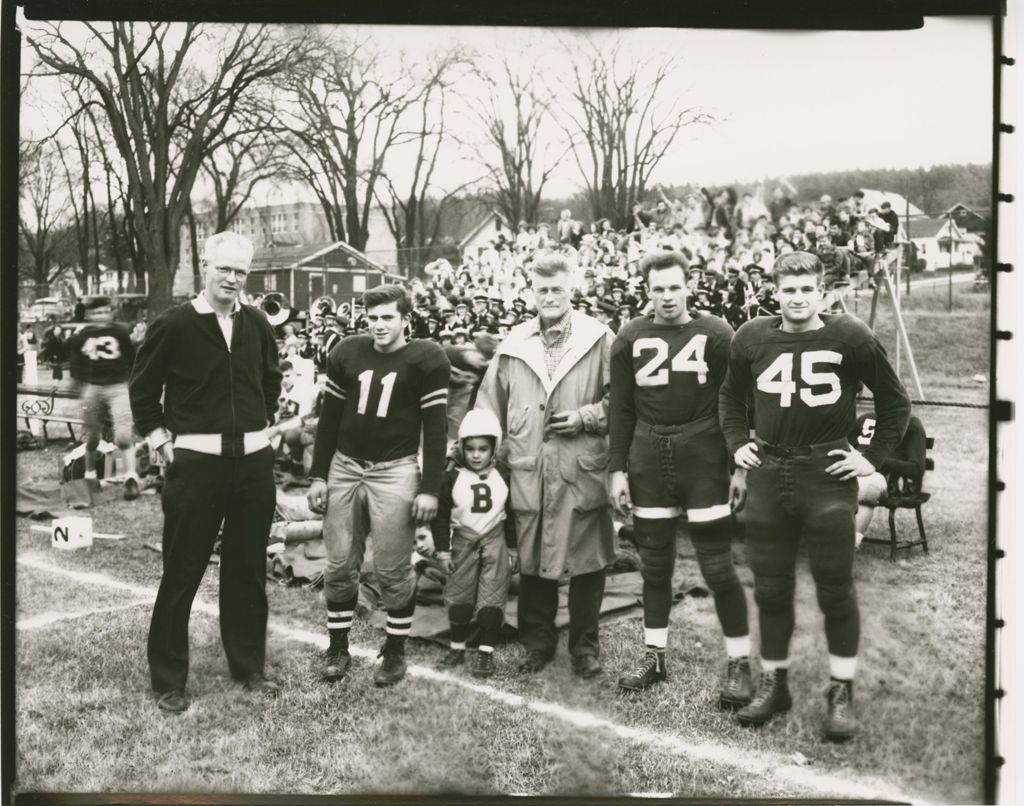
(524, 489)
(591, 481)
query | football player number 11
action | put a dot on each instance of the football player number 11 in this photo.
(777, 379)
(387, 385)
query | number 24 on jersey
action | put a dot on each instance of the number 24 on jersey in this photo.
(689, 359)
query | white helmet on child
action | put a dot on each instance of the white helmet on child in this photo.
(480, 423)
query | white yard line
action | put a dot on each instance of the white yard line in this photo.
(772, 766)
(54, 617)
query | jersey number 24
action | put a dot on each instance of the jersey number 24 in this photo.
(777, 379)
(689, 359)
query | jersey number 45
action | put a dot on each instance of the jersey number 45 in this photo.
(689, 359)
(777, 379)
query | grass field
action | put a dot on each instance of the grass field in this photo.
(86, 720)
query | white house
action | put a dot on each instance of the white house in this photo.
(484, 234)
(932, 238)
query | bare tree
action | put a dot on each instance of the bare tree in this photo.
(518, 157)
(345, 113)
(47, 249)
(621, 115)
(414, 214)
(163, 113)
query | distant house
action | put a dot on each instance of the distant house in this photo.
(935, 237)
(968, 220)
(307, 272)
(484, 234)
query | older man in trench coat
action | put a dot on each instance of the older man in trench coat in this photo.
(548, 386)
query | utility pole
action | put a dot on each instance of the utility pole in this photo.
(949, 227)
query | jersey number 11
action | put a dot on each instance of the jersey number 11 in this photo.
(387, 385)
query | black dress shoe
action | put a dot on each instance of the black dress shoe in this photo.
(172, 702)
(586, 666)
(258, 684)
(534, 661)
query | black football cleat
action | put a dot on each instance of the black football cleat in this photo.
(455, 657)
(484, 665)
(737, 690)
(772, 698)
(650, 670)
(337, 664)
(840, 726)
(392, 668)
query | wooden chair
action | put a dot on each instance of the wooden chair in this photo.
(906, 493)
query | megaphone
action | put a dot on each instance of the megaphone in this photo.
(275, 306)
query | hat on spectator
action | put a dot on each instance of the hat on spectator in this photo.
(519, 302)
(607, 306)
(445, 332)
(480, 297)
(463, 330)
(584, 305)
(755, 269)
(228, 249)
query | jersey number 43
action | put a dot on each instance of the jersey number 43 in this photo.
(689, 359)
(777, 379)
(101, 348)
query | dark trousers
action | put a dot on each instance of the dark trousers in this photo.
(200, 492)
(538, 604)
(789, 500)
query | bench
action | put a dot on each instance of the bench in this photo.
(906, 493)
(39, 406)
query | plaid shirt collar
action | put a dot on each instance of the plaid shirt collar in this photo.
(556, 333)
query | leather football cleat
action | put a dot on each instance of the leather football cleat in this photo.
(338, 662)
(772, 698)
(737, 690)
(455, 657)
(392, 668)
(650, 670)
(484, 665)
(840, 726)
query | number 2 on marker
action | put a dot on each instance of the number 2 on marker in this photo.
(387, 385)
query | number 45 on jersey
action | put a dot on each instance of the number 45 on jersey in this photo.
(777, 379)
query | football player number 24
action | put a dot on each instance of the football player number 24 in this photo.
(387, 385)
(777, 379)
(688, 359)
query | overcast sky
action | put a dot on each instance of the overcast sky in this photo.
(786, 102)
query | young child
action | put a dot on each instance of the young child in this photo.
(480, 554)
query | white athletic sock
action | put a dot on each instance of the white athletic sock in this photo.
(772, 665)
(458, 644)
(90, 474)
(485, 648)
(858, 539)
(656, 637)
(738, 647)
(842, 668)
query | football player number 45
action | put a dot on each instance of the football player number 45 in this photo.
(387, 385)
(688, 359)
(777, 379)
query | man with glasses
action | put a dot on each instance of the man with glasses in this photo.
(204, 388)
(548, 387)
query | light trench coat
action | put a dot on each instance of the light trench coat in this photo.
(558, 484)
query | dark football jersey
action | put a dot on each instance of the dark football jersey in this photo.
(664, 375)
(805, 385)
(101, 354)
(385, 395)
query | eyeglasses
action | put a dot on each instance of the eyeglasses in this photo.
(240, 274)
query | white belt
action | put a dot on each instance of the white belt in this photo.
(252, 441)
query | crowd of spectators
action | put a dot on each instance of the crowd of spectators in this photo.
(730, 241)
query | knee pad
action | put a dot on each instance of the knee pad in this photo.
(657, 544)
(713, 543)
(460, 613)
(123, 440)
(774, 594)
(836, 599)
